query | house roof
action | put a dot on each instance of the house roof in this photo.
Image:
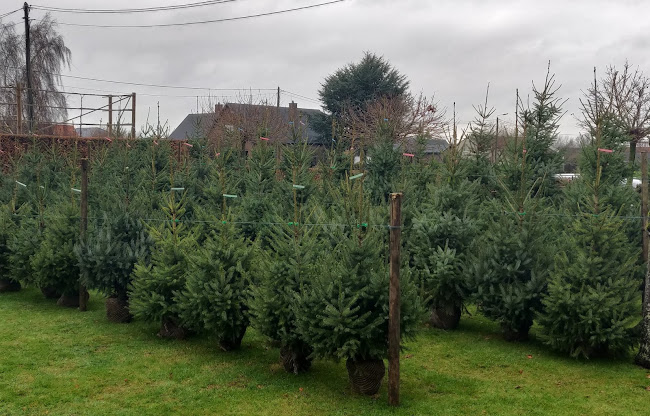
(201, 124)
(193, 125)
(431, 146)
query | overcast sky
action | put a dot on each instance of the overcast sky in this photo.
(448, 48)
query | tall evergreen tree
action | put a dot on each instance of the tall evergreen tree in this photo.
(536, 145)
(593, 299)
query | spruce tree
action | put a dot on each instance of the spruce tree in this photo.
(344, 314)
(216, 295)
(440, 243)
(108, 257)
(23, 244)
(384, 165)
(55, 265)
(510, 268)
(154, 291)
(536, 144)
(7, 229)
(289, 266)
(593, 299)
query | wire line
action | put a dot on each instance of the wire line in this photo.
(227, 19)
(126, 11)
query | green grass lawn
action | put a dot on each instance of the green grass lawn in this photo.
(63, 362)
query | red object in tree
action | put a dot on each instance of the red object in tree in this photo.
(408, 154)
(264, 138)
(188, 145)
(605, 150)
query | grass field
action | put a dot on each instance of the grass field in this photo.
(63, 362)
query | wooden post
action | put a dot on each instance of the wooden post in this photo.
(644, 219)
(110, 116)
(19, 108)
(83, 293)
(133, 115)
(394, 299)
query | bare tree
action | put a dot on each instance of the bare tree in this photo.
(401, 117)
(49, 56)
(625, 95)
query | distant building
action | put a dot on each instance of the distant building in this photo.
(242, 125)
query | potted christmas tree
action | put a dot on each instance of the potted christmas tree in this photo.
(153, 294)
(108, 258)
(344, 314)
(217, 290)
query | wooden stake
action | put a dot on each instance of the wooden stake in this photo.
(133, 115)
(110, 116)
(644, 221)
(394, 299)
(83, 292)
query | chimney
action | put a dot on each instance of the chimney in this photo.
(218, 108)
(293, 113)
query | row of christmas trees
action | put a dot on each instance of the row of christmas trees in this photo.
(213, 241)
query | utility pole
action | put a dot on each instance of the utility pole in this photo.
(278, 97)
(19, 106)
(28, 67)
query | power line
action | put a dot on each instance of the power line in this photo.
(139, 84)
(127, 11)
(301, 96)
(228, 19)
(2, 16)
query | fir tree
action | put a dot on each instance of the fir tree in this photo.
(55, 264)
(23, 244)
(289, 266)
(217, 291)
(153, 293)
(7, 228)
(441, 239)
(536, 144)
(344, 314)
(384, 165)
(107, 258)
(510, 272)
(592, 303)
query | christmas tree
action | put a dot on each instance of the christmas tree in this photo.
(108, 257)
(54, 264)
(217, 291)
(289, 265)
(154, 291)
(593, 298)
(344, 314)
